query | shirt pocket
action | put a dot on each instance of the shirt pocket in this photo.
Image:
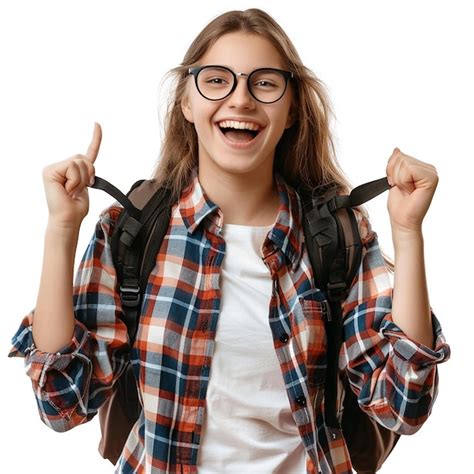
(314, 313)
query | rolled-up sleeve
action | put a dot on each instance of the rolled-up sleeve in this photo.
(394, 377)
(71, 384)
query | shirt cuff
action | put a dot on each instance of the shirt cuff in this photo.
(37, 362)
(415, 352)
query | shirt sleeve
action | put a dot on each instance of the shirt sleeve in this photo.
(394, 377)
(71, 384)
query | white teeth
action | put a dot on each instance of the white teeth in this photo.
(239, 125)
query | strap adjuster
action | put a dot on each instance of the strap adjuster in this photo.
(130, 295)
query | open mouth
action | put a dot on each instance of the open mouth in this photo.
(238, 135)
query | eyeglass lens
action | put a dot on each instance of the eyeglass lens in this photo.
(216, 83)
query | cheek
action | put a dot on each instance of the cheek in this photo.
(280, 118)
(203, 126)
(281, 113)
(203, 115)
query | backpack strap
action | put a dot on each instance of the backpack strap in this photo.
(109, 188)
(135, 241)
(335, 249)
(134, 258)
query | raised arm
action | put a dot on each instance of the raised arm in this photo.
(65, 185)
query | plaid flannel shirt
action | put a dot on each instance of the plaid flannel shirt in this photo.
(394, 377)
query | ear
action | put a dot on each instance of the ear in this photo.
(292, 116)
(186, 108)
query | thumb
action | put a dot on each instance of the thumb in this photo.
(94, 146)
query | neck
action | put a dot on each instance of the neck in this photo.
(245, 199)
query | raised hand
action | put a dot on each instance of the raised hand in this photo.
(413, 184)
(66, 182)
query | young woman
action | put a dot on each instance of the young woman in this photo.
(230, 355)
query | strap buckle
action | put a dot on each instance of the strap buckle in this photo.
(130, 295)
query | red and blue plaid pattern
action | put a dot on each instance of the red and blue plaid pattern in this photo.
(394, 377)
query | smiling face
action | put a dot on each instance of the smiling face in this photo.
(237, 152)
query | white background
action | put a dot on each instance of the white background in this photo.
(399, 73)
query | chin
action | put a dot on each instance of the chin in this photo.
(239, 165)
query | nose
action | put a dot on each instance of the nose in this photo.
(241, 96)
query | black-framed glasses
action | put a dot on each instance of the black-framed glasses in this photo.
(215, 82)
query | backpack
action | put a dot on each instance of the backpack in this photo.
(334, 248)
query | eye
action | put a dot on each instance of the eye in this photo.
(215, 77)
(264, 84)
(216, 80)
(267, 79)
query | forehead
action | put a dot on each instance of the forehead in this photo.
(243, 52)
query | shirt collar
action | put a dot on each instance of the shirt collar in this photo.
(286, 233)
(195, 205)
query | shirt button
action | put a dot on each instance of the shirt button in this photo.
(284, 337)
(301, 401)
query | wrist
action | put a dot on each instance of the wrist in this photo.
(404, 238)
(62, 231)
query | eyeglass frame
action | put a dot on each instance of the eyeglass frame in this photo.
(197, 69)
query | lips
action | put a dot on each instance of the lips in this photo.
(239, 145)
(240, 124)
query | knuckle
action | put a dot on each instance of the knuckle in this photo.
(80, 164)
(78, 159)
(73, 166)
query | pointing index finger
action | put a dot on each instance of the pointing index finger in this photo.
(94, 146)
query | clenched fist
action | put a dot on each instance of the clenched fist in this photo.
(66, 182)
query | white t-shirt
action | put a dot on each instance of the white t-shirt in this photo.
(248, 426)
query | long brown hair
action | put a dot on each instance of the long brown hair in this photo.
(308, 141)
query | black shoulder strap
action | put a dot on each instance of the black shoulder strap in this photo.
(109, 188)
(335, 248)
(136, 240)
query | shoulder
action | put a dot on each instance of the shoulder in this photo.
(108, 219)
(367, 234)
(111, 213)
